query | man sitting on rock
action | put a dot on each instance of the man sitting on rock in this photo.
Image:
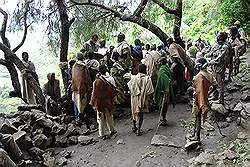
(52, 92)
(10, 154)
(202, 84)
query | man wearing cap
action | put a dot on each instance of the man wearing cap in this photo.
(202, 84)
(140, 88)
(164, 93)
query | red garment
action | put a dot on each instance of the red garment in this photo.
(187, 75)
(102, 95)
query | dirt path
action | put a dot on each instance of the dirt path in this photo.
(109, 154)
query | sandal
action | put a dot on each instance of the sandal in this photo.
(139, 133)
(103, 137)
(163, 122)
(134, 129)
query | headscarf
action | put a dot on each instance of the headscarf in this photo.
(234, 32)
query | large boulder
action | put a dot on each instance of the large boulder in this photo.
(26, 116)
(49, 160)
(219, 108)
(238, 107)
(73, 140)
(85, 140)
(7, 127)
(45, 122)
(161, 140)
(62, 161)
(61, 140)
(205, 158)
(59, 129)
(40, 141)
(245, 96)
(71, 131)
(23, 140)
(36, 153)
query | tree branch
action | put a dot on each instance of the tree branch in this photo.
(116, 13)
(3, 62)
(131, 18)
(71, 21)
(3, 29)
(140, 8)
(165, 8)
(25, 28)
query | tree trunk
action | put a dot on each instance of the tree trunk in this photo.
(177, 24)
(64, 37)
(14, 79)
(10, 55)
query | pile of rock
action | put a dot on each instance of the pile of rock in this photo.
(237, 100)
(35, 132)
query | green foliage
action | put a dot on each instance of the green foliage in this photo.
(7, 104)
(232, 10)
(188, 124)
(239, 147)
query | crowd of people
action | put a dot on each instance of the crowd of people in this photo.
(143, 77)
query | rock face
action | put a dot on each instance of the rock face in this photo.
(7, 127)
(205, 158)
(62, 161)
(219, 108)
(36, 153)
(161, 140)
(85, 140)
(40, 141)
(61, 140)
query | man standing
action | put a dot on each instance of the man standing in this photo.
(164, 93)
(140, 88)
(117, 71)
(177, 55)
(27, 92)
(80, 85)
(102, 101)
(219, 54)
(52, 92)
(237, 46)
(92, 65)
(124, 51)
(90, 45)
(202, 83)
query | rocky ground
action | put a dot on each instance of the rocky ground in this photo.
(61, 141)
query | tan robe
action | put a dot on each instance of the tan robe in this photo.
(202, 83)
(124, 50)
(27, 92)
(176, 50)
(149, 62)
(140, 87)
